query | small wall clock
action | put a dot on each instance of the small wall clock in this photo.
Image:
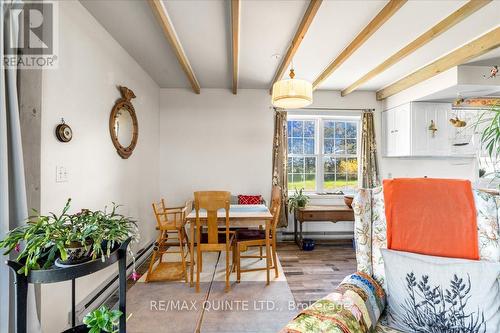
(64, 133)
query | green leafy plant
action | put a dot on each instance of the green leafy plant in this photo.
(490, 137)
(44, 238)
(103, 320)
(298, 200)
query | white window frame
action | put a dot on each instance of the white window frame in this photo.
(319, 142)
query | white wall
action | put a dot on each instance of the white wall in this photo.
(83, 91)
(215, 140)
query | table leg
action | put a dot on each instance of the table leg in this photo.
(191, 253)
(268, 252)
(300, 235)
(295, 229)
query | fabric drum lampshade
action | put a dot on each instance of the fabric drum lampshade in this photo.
(292, 93)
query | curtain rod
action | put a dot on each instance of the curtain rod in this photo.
(336, 109)
(329, 109)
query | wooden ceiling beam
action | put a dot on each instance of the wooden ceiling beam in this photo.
(456, 17)
(235, 30)
(304, 25)
(469, 51)
(166, 24)
(386, 13)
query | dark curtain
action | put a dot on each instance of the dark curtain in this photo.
(280, 152)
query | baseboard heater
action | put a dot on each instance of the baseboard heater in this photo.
(108, 287)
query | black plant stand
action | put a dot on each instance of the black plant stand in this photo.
(57, 274)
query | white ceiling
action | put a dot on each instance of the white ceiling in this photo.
(267, 28)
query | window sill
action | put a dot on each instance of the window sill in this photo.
(321, 196)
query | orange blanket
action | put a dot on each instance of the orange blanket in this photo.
(431, 216)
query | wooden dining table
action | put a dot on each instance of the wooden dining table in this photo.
(242, 216)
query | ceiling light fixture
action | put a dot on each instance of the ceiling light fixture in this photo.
(292, 93)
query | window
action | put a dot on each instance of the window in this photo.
(322, 153)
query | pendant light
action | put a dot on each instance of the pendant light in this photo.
(292, 93)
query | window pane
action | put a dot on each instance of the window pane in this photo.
(340, 165)
(308, 146)
(310, 165)
(339, 129)
(297, 146)
(298, 179)
(339, 146)
(309, 129)
(351, 130)
(352, 166)
(310, 184)
(328, 146)
(329, 165)
(290, 179)
(340, 180)
(329, 181)
(352, 181)
(351, 146)
(329, 129)
(297, 128)
(298, 165)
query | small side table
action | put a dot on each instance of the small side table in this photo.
(319, 213)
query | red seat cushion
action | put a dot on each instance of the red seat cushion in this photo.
(249, 199)
(250, 234)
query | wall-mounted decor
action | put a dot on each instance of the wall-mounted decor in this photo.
(480, 102)
(123, 125)
(64, 133)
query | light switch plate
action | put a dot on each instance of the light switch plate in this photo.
(61, 174)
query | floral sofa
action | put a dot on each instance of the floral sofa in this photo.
(362, 311)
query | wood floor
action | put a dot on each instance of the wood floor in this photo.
(313, 274)
(310, 274)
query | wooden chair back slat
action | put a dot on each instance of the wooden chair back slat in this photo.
(212, 201)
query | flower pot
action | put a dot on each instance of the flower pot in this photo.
(348, 200)
(76, 254)
(308, 244)
(78, 329)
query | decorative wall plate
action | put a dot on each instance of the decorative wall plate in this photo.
(64, 133)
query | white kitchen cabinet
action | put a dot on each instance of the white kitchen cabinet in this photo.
(406, 130)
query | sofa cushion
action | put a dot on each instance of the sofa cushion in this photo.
(428, 293)
(354, 306)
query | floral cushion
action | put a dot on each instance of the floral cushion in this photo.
(371, 229)
(355, 306)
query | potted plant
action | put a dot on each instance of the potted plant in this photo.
(490, 139)
(68, 238)
(298, 200)
(103, 320)
(99, 321)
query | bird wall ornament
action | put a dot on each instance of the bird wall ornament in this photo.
(457, 122)
(493, 72)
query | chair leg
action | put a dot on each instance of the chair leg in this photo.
(183, 259)
(228, 268)
(238, 264)
(151, 264)
(275, 258)
(198, 269)
(260, 247)
(234, 257)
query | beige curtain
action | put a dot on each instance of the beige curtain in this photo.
(280, 151)
(369, 167)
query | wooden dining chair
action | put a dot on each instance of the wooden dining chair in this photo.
(246, 238)
(213, 240)
(170, 222)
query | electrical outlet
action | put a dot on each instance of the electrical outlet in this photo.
(61, 174)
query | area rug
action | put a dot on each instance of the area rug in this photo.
(250, 306)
